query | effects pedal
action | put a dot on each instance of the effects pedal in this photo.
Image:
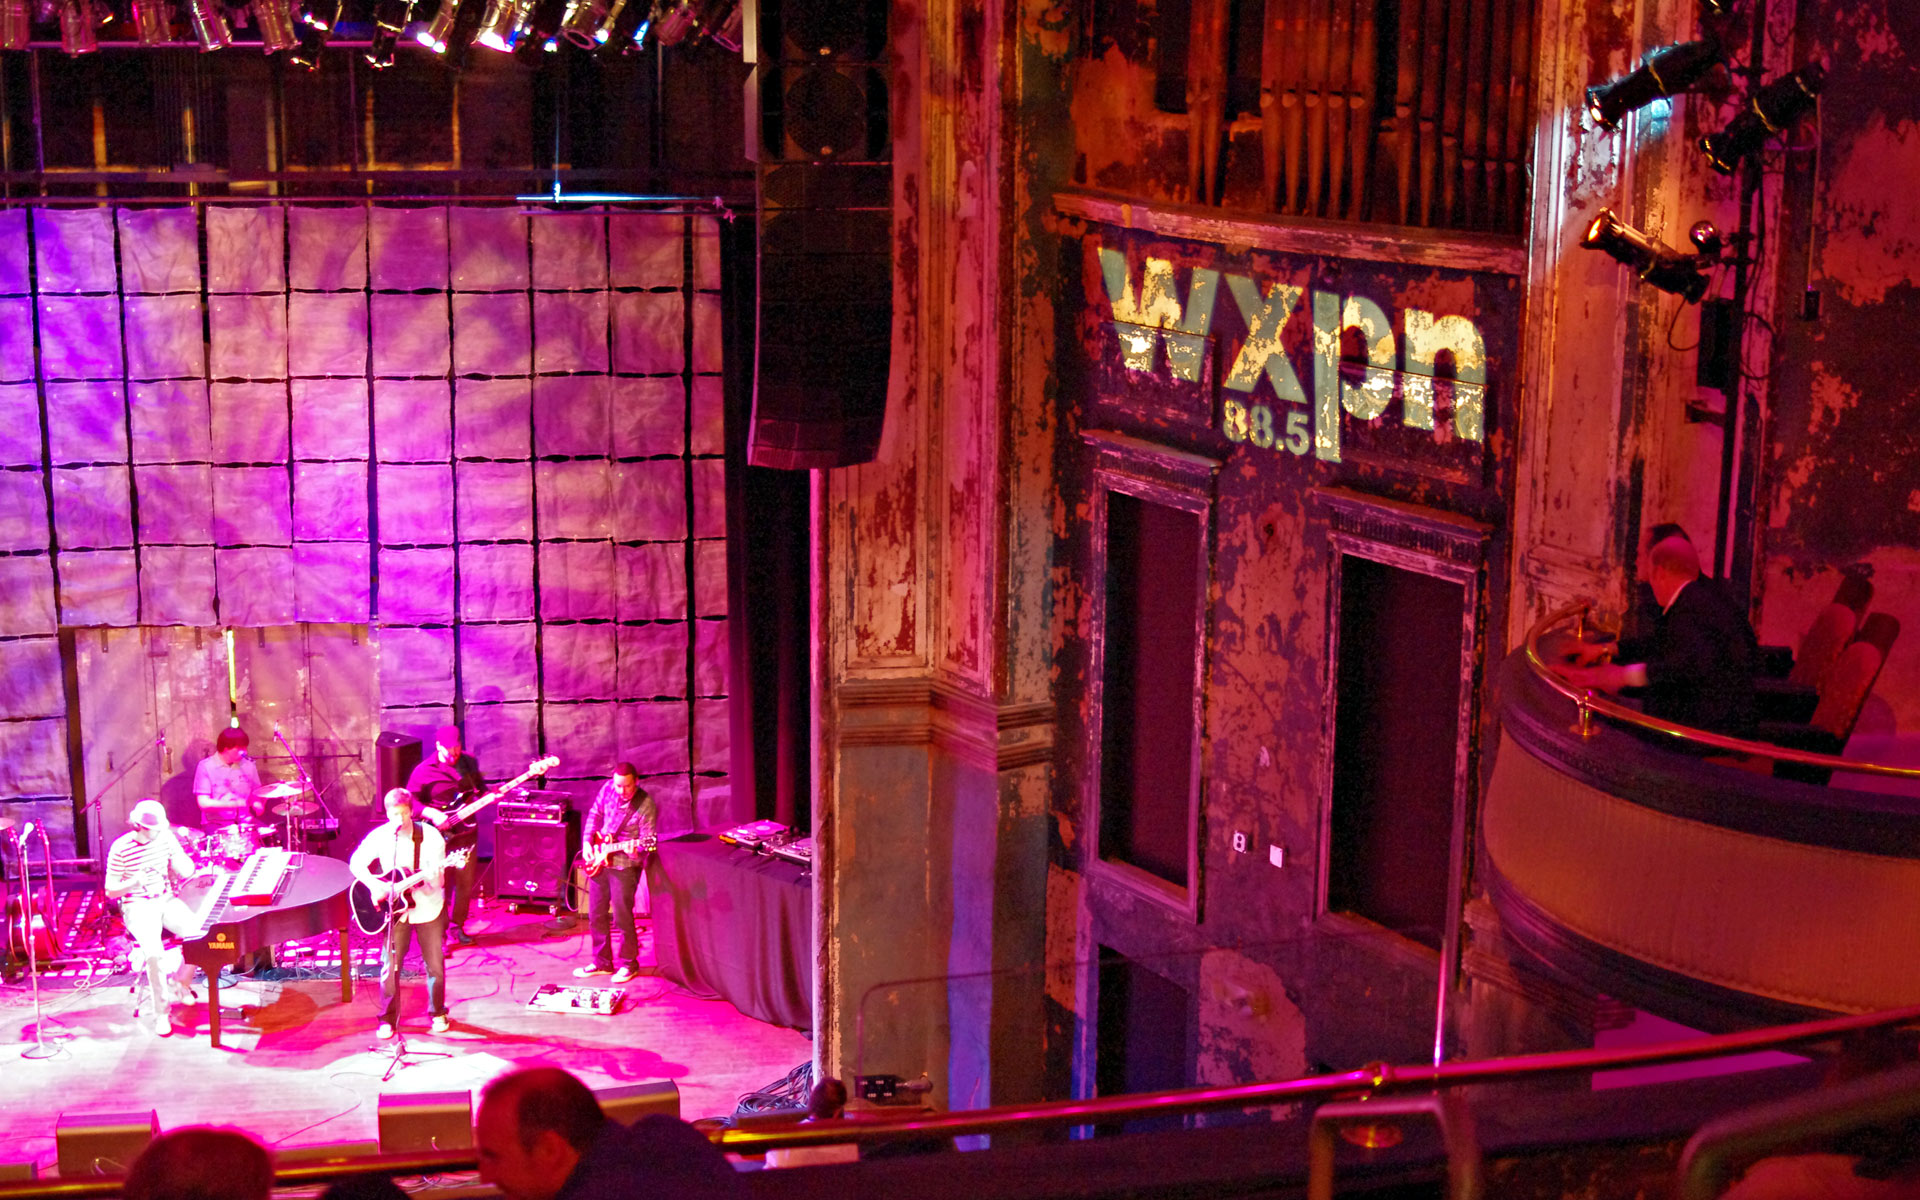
(593, 1001)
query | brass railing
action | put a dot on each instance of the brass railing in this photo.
(1376, 1079)
(1590, 702)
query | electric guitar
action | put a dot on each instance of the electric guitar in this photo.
(373, 914)
(445, 820)
(593, 859)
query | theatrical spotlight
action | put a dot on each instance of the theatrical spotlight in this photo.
(498, 26)
(583, 22)
(152, 22)
(321, 14)
(676, 21)
(1772, 109)
(390, 19)
(209, 24)
(434, 36)
(16, 25)
(539, 29)
(627, 25)
(1658, 264)
(1665, 72)
(76, 27)
(275, 19)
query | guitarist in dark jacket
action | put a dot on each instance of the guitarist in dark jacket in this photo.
(438, 785)
(402, 863)
(619, 833)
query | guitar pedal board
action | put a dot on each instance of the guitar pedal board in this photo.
(592, 1001)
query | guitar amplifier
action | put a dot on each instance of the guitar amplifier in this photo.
(534, 806)
(530, 859)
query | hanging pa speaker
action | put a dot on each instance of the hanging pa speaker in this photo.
(817, 104)
(530, 860)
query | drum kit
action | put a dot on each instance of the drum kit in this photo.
(230, 845)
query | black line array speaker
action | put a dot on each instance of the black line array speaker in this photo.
(395, 757)
(425, 1121)
(530, 860)
(102, 1143)
(817, 110)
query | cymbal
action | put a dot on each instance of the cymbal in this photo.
(277, 791)
(297, 808)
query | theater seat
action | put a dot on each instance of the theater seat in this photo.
(1843, 692)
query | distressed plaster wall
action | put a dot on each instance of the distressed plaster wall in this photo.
(1844, 462)
(489, 441)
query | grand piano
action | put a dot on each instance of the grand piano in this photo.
(310, 899)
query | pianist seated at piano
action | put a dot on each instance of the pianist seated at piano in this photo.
(403, 863)
(143, 868)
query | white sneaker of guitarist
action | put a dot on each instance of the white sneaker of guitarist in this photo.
(399, 870)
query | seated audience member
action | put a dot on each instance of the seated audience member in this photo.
(540, 1135)
(200, 1164)
(1697, 666)
(1643, 614)
(827, 1101)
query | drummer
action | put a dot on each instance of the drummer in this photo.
(225, 781)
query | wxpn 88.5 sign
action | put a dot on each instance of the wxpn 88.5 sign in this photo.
(1363, 359)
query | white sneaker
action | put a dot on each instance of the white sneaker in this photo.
(589, 971)
(384, 1033)
(623, 974)
(162, 1025)
(441, 1024)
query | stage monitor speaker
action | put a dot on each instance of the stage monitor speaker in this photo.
(102, 1143)
(326, 1152)
(632, 1101)
(395, 757)
(24, 1172)
(530, 860)
(425, 1121)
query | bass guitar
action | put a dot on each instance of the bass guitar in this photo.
(593, 859)
(372, 914)
(453, 819)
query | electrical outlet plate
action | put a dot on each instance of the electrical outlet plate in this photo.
(1239, 842)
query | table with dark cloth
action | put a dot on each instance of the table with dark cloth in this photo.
(733, 925)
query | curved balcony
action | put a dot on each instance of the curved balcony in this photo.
(1688, 887)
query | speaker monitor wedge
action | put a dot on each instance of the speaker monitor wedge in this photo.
(425, 1121)
(102, 1143)
(629, 1102)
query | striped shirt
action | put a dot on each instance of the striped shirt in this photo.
(139, 869)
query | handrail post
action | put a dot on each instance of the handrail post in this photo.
(1449, 1110)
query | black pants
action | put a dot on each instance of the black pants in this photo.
(433, 956)
(610, 895)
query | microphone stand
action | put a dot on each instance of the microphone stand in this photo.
(95, 805)
(306, 785)
(39, 1049)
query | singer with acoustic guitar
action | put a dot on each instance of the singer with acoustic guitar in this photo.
(402, 864)
(620, 832)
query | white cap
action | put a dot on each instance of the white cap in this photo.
(148, 814)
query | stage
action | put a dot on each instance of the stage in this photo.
(297, 1067)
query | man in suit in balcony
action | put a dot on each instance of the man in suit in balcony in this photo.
(1697, 665)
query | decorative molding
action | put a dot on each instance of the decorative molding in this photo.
(1153, 460)
(919, 711)
(1309, 236)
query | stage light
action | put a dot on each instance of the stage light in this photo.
(434, 36)
(76, 27)
(152, 22)
(321, 14)
(209, 24)
(390, 19)
(626, 27)
(539, 29)
(583, 22)
(313, 40)
(1665, 72)
(498, 26)
(1772, 109)
(1655, 262)
(275, 19)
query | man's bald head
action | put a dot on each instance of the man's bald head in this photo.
(1675, 564)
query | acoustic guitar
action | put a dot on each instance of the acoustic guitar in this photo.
(372, 915)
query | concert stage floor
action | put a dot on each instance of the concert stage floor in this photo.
(298, 1067)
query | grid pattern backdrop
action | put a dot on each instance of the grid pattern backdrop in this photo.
(492, 437)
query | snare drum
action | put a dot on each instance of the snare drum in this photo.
(234, 844)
